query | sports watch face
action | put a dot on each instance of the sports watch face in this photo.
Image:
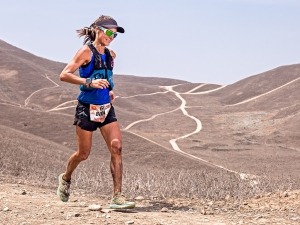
(88, 81)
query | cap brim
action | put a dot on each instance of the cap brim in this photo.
(119, 29)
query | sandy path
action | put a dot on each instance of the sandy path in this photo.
(21, 203)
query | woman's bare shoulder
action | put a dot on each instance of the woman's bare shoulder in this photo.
(84, 54)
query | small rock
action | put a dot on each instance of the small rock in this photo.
(5, 209)
(164, 209)
(23, 192)
(129, 222)
(82, 204)
(227, 197)
(139, 198)
(295, 218)
(77, 214)
(94, 207)
(106, 210)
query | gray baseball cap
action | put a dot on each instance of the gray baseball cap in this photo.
(108, 22)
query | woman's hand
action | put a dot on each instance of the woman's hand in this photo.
(112, 53)
(99, 83)
(112, 96)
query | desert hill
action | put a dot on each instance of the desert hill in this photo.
(25, 73)
(259, 84)
(25, 154)
(174, 131)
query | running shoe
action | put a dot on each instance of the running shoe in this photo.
(119, 202)
(63, 190)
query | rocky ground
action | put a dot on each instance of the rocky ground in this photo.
(22, 203)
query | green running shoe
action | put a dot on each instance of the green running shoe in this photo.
(119, 202)
(63, 190)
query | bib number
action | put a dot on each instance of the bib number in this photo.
(98, 113)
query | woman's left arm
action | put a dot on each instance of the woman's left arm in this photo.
(112, 96)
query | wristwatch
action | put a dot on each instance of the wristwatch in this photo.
(88, 82)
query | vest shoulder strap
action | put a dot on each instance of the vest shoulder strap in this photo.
(98, 61)
(99, 64)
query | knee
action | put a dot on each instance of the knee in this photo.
(116, 146)
(81, 156)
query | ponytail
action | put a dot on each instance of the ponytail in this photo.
(88, 32)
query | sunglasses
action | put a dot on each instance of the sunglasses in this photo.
(108, 32)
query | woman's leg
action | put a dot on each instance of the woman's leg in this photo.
(112, 136)
(84, 141)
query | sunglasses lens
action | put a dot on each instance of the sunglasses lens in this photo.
(110, 33)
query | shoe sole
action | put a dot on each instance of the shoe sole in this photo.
(129, 205)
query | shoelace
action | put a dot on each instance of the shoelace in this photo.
(120, 198)
(66, 187)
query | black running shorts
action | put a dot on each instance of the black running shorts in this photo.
(82, 117)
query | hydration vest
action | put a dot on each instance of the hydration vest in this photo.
(102, 69)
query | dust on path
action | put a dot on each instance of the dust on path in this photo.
(25, 204)
(22, 203)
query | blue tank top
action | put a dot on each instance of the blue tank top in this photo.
(94, 96)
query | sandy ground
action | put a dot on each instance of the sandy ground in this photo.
(21, 203)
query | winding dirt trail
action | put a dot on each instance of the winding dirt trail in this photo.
(266, 93)
(198, 128)
(183, 107)
(33, 93)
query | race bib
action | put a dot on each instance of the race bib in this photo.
(98, 113)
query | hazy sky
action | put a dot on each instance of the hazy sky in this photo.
(212, 41)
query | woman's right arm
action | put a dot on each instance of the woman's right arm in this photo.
(82, 57)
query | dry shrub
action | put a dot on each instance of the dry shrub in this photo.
(176, 183)
(92, 177)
